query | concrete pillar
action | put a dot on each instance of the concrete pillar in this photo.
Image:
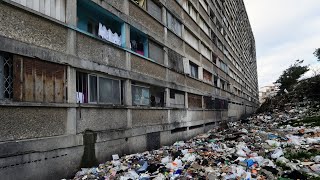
(165, 56)
(125, 7)
(125, 35)
(167, 97)
(127, 93)
(200, 73)
(71, 84)
(164, 15)
(186, 100)
(71, 20)
(1, 77)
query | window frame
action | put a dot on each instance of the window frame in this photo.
(98, 90)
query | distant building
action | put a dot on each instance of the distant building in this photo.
(81, 80)
(268, 92)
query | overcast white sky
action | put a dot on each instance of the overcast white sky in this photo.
(284, 30)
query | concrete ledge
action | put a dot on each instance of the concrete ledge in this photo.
(14, 148)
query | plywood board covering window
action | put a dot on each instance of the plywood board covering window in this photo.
(38, 81)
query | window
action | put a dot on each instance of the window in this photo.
(154, 9)
(204, 26)
(207, 76)
(53, 8)
(208, 102)
(156, 52)
(215, 81)
(192, 12)
(191, 39)
(193, 70)
(101, 89)
(205, 51)
(173, 24)
(6, 76)
(143, 95)
(194, 101)
(224, 67)
(99, 22)
(177, 98)
(222, 84)
(138, 42)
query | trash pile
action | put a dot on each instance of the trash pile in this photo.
(264, 146)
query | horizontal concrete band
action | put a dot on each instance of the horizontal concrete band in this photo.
(27, 146)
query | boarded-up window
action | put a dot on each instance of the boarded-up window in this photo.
(38, 81)
(53, 8)
(154, 10)
(207, 76)
(191, 39)
(176, 98)
(173, 24)
(194, 101)
(175, 60)
(156, 52)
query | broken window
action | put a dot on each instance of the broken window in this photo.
(98, 22)
(94, 88)
(222, 84)
(138, 42)
(193, 70)
(177, 98)
(174, 24)
(156, 52)
(6, 76)
(207, 76)
(143, 95)
(194, 101)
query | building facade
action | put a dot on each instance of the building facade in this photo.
(81, 80)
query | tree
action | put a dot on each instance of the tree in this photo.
(317, 53)
(291, 75)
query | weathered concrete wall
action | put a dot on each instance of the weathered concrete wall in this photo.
(32, 29)
(31, 122)
(100, 119)
(146, 67)
(92, 49)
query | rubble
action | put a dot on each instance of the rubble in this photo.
(267, 146)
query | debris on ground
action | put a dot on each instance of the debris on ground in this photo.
(279, 145)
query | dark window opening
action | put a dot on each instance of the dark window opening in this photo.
(195, 127)
(193, 70)
(176, 130)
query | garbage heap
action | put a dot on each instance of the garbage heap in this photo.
(264, 146)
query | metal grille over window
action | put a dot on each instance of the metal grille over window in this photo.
(6, 76)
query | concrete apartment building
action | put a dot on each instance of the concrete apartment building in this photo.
(81, 80)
